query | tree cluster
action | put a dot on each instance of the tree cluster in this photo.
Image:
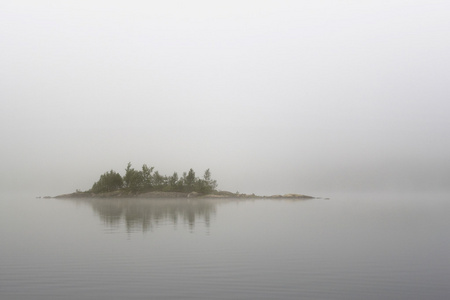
(108, 182)
(146, 180)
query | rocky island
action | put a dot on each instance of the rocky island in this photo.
(148, 183)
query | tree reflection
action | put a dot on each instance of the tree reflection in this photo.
(146, 214)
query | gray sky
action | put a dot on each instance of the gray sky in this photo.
(272, 96)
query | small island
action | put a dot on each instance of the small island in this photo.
(149, 183)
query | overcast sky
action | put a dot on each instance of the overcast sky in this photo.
(273, 96)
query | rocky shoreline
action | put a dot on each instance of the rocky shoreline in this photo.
(161, 194)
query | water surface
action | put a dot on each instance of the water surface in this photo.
(349, 247)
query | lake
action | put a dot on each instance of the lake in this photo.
(370, 246)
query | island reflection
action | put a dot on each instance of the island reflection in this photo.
(146, 214)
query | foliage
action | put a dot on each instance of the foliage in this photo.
(134, 180)
(149, 180)
(108, 182)
(190, 181)
(208, 185)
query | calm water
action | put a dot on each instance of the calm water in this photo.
(354, 247)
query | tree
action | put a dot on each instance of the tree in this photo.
(108, 182)
(206, 185)
(146, 179)
(190, 180)
(210, 183)
(158, 180)
(147, 176)
(133, 179)
(173, 182)
(127, 178)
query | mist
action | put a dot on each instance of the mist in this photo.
(273, 97)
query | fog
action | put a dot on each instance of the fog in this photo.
(311, 97)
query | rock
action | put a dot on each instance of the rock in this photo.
(193, 195)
